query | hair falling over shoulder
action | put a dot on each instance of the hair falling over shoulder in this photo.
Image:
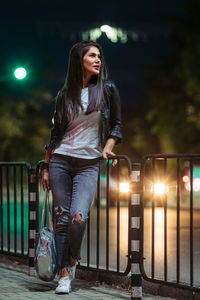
(69, 97)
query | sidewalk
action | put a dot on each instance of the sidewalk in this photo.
(15, 284)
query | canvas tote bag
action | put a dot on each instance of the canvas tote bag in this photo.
(45, 250)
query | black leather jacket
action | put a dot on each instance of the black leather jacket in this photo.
(110, 125)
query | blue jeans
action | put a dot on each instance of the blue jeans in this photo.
(73, 183)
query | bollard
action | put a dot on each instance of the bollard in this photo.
(136, 234)
(32, 219)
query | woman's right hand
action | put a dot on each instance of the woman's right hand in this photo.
(45, 179)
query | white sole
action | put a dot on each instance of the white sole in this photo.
(59, 292)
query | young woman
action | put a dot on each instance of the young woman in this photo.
(87, 125)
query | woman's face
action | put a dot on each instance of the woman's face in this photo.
(92, 62)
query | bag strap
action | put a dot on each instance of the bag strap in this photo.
(49, 213)
(46, 205)
(44, 208)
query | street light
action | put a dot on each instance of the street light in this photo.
(20, 73)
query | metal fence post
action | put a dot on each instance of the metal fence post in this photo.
(32, 219)
(136, 234)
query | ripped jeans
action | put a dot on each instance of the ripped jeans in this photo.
(73, 183)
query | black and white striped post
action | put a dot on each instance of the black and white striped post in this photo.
(32, 219)
(136, 234)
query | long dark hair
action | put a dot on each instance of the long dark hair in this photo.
(70, 94)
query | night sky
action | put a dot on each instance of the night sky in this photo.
(41, 33)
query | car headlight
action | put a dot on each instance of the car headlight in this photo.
(160, 188)
(124, 187)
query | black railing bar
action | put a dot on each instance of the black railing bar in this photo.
(128, 267)
(165, 223)
(8, 208)
(141, 191)
(178, 155)
(129, 261)
(4, 164)
(129, 163)
(163, 156)
(178, 224)
(107, 213)
(15, 208)
(110, 157)
(118, 215)
(1, 206)
(153, 228)
(121, 157)
(38, 197)
(98, 218)
(88, 240)
(22, 208)
(191, 222)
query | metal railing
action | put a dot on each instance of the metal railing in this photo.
(170, 193)
(101, 229)
(158, 219)
(14, 200)
(107, 264)
(20, 211)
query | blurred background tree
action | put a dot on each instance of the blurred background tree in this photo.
(167, 119)
(24, 127)
(24, 122)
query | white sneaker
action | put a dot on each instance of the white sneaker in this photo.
(64, 286)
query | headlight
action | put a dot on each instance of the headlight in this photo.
(124, 187)
(160, 188)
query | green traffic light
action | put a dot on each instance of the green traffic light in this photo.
(20, 73)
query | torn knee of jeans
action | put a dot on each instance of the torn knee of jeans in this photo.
(77, 217)
(59, 211)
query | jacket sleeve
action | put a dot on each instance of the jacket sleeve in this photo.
(115, 114)
(56, 129)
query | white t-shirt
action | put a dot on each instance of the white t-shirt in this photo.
(82, 136)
